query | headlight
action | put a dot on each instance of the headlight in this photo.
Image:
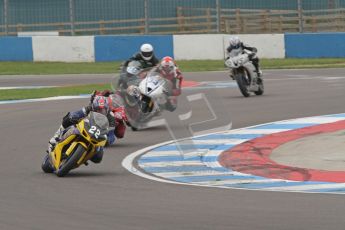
(229, 63)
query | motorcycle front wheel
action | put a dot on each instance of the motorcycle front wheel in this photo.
(243, 81)
(71, 161)
(46, 166)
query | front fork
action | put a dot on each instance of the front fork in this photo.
(250, 81)
(232, 74)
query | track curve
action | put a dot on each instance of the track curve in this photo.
(242, 158)
(106, 196)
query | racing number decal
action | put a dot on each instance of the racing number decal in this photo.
(94, 130)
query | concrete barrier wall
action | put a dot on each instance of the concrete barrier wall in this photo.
(199, 47)
(63, 49)
(181, 47)
(268, 45)
(320, 45)
(16, 49)
(118, 48)
(213, 46)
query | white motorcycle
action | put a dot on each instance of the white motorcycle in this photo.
(154, 90)
(145, 96)
(243, 71)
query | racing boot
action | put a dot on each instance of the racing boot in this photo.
(259, 79)
(259, 72)
(52, 142)
(257, 69)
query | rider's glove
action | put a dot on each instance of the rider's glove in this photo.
(123, 114)
(128, 124)
(118, 116)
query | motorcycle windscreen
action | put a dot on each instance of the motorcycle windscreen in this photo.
(153, 81)
(97, 126)
(155, 84)
(131, 75)
(235, 52)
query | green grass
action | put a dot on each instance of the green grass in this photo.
(41, 68)
(45, 68)
(17, 94)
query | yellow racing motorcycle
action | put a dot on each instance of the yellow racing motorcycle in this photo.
(77, 145)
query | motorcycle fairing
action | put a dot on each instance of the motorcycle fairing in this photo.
(77, 138)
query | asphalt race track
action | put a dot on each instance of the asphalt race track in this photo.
(106, 196)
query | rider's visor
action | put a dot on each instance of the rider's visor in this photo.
(147, 54)
(168, 68)
(236, 46)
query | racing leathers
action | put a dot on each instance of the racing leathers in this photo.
(126, 76)
(176, 78)
(144, 63)
(117, 107)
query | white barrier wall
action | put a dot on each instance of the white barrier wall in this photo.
(199, 47)
(63, 49)
(213, 46)
(185, 47)
(268, 45)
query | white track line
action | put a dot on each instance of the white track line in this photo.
(307, 187)
(27, 87)
(210, 172)
(317, 120)
(59, 98)
(162, 164)
(238, 181)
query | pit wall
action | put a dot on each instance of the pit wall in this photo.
(181, 47)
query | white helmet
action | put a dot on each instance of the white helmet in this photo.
(146, 51)
(235, 42)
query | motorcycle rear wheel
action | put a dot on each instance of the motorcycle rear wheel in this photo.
(71, 162)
